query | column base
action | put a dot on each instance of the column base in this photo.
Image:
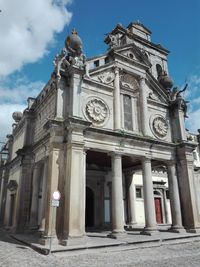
(177, 229)
(149, 231)
(45, 240)
(130, 226)
(193, 230)
(117, 235)
(74, 241)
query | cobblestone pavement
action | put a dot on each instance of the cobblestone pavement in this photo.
(14, 254)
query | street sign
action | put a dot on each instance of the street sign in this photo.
(56, 195)
(55, 203)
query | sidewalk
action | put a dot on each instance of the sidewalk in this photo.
(99, 240)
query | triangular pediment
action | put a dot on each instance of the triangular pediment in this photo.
(104, 76)
(155, 93)
(134, 53)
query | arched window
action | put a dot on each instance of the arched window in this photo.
(128, 125)
(158, 69)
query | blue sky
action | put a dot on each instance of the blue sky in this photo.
(34, 32)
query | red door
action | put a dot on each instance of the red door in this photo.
(158, 210)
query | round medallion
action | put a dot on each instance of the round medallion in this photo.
(160, 126)
(96, 111)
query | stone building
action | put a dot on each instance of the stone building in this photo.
(108, 133)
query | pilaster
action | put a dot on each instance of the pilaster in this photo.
(34, 201)
(55, 129)
(117, 104)
(143, 107)
(185, 172)
(75, 94)
(75, 184)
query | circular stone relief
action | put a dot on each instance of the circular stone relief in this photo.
(96, 111)
(160, 126)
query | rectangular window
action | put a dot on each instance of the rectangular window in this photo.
(128, 125)
(138, 191)
(96, 63)
(106, 60)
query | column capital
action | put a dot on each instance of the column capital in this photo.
(171, 163)
(146, 158)
(115, 154)
(142, 79)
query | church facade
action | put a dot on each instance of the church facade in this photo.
(109, 134)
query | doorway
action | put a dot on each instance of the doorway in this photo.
(158, 210)
(89, 211)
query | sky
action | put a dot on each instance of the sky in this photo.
(32, 32)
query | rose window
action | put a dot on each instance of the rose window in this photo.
(96, 111)
(160, 126)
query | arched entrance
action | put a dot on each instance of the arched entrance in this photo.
(89, 211)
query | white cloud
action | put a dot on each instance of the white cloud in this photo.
(19, 91)
(193, 123)
(6, 120)
(27, 28)
(13, 97)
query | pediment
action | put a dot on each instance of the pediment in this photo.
(155, 94)
(128, 81)
(104, 76)
(133, 52)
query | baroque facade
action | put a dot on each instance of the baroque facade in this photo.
(109, 134)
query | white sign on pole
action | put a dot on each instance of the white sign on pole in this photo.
(55, 203)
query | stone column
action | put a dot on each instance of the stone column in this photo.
(149, 206)
(117, 104)
(174, 198)
(143, 107)
(117, 197)
(41, 214)
(34, 201)
(167, 221)
(74, 220)
(52, 185)
(131, 200)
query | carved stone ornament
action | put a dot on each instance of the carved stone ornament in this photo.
(128, 81)
(160, 126)
(152, 95)
(107, 77)
(12, 185)
(96, 111)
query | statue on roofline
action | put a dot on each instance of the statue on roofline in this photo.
(177, 99)
(71, 54)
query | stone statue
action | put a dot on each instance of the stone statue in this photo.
(71, 54)
(176, 98)
(113, 40)
(59, 61)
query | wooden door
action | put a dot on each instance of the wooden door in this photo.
(158, 210)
